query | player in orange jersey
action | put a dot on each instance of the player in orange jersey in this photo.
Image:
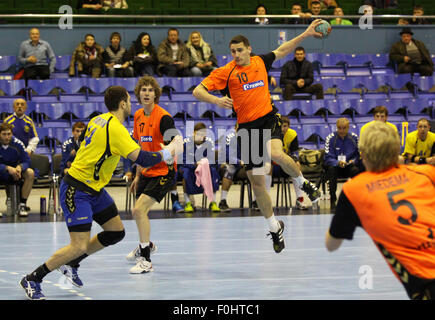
(245, 82)
(395, 205)
(153, 127)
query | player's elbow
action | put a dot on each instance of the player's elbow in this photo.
(196, 91)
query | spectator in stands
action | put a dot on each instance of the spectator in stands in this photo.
(420, 144)
(297, 10)
(232, 165)
(291, 147)
(115, 4)
(15, 165)
(324, 4)
(341, 155)
(297, 76)
(315, 8)
(418, 12)
(89, 4)
(70, 147)
(37, 57)
(173, 56)
(411, 55)
(338, 12)
(197, 147)
(380, 113)
(202, 58)
(261, 11)
(144, 55)
(381, 4)
(23, 127)
(88, 56)
(116, 58)
(402, 22)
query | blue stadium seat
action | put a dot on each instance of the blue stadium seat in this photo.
(424, 83)
(12, 87)
(223, 125)
(62, 63)
(172, 107)
(322, 130)
(7, 62)
(52, 110)
(223, 60)
(379, 60)
(98, 85)
(71, 85)
(128, 83)
(42, 87)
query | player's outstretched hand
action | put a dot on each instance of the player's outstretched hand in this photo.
(225, 102)
(175, 147)
(310, 31)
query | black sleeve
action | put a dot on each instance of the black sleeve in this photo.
(167, 122)
(345, 220)
(268, 59)
(294, 146)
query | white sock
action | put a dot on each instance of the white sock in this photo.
(224, 195)
(273, 224)
(186, 198)
(298, 190)
(174, 192)
(144, 245)
(268, 179)
(300, 180)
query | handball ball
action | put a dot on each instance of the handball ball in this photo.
(324, 28)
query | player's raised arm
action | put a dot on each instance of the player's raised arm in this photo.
(288, 47)
(202, 94)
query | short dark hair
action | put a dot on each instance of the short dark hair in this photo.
(417, 7)
(173, 29)
(380, 109)
(315, 2)
(239, 38)
(113, 97)
(423, 119)
(115, 34)
(300, 49)
(260, 5)
(89, 35)
(78, 125)
(6, 126)
(297, 4)
(285, 119)
(199, 126)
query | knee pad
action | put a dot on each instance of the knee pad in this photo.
(108, 238)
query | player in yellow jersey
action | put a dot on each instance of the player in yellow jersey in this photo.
(420, 144)
(83, 197)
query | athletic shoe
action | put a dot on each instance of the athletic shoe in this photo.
(132, 256)
(71, 274)
(311, 190)
(1, 215)
(277, 238)
(33, 289)
(300, 205)
(177, 207)
(142, 266)
(214, 207)
(255, 205)
(224, 206)
(22, 211)
(188, 208)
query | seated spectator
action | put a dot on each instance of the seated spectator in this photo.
(15, 165)
(37, 57)
(411, 55)
(144, 55)
(341, 156)
(380, 113)
(202, 58)
(420, 144)
(324, 4)
(297, 76)
(338, 12)
(89, 4)
(315, 8)
(297, 10)
(115, 4)
(88, 56)
(381, 4)
(70, 147)
(261, 11)
(418, 12)
(291, 147)
(402, 22)
(116, 58)
(173, 56)
(23, 127)
(197, 147)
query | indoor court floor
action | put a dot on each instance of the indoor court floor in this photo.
(205, 256)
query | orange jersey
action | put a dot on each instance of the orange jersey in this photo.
(397, 209)
(248, 87)
(147, 133)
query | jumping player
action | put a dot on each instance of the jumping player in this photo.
(245, 81)
(82, 194)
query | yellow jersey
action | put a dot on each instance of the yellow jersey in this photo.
(106, 139)
(368, 123)
(417, 147)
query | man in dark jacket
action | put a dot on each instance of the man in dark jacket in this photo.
(341, 155)
(173, 56)
(411, 55)
(297, 76)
